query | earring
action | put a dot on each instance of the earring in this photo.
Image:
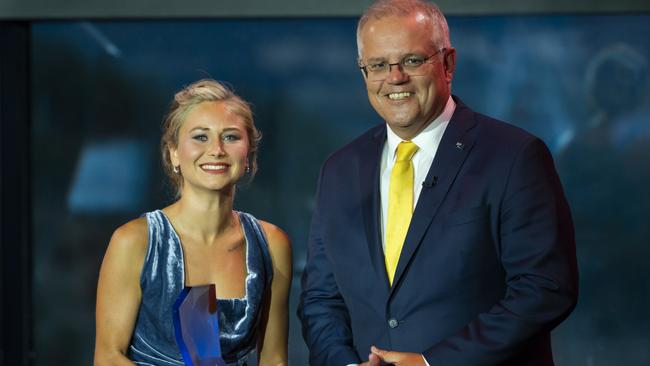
(248, 169)
(176, 170)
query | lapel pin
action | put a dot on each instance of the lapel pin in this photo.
(460, 146)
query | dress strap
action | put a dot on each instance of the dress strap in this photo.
(255, 234)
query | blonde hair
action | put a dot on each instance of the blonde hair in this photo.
(402, 8)
(205, 90)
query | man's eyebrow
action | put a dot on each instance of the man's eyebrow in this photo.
(408, 54)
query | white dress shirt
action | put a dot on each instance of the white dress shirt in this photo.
(428, 141)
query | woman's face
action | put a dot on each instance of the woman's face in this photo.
(212, 147)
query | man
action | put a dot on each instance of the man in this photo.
(441, 237)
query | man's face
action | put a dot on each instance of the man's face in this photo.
(406, 102)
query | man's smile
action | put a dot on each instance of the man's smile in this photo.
(399, 96)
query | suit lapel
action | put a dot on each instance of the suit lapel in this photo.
(454, 148)
(368, 165)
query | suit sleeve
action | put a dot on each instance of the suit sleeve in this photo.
(325, 319)
(537, 252)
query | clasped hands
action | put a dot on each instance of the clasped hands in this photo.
(377, 356)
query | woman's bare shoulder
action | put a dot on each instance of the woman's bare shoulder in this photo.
(275, 235)
(131, 237)
(279, 246)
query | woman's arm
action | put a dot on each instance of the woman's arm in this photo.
(118, 293)
(273, 345)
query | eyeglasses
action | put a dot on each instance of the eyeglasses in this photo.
(379, 70)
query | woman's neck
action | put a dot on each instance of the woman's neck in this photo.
(203, 216)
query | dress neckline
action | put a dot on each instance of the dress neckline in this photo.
(177, 239)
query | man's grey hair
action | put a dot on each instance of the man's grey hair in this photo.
(386, 8)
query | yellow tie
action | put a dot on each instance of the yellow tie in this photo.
(400, 205)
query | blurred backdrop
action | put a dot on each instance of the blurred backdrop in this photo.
(99, 90)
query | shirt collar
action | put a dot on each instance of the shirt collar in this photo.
(427, 140)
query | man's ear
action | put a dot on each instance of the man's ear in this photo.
(363, 72)
(450, 63)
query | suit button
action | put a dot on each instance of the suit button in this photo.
(392, 322)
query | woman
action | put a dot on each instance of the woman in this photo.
(209, 143)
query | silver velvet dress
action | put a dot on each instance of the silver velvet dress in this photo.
(162, 280)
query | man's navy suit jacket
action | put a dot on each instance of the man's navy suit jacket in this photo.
(487, 269)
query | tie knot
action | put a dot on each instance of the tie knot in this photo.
(406, 150)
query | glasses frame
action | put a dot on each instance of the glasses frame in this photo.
(404, 68)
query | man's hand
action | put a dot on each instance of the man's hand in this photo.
(373, 360)
(396, 358)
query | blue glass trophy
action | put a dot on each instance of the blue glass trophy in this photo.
(196, 326)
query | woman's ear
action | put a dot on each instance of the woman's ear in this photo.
(173, 156)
